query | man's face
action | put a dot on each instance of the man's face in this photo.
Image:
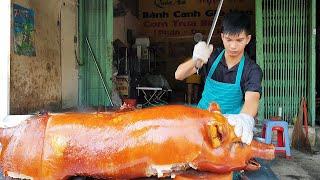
(234, 44)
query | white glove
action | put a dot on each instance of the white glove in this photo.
(202, 51)
(243, 126)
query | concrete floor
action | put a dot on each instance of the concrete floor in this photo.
(301, 166)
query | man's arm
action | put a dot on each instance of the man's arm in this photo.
(187, 68)
(200, 56)
(244, 122)
(251, 103)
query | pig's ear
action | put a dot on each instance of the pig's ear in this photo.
(214, 107)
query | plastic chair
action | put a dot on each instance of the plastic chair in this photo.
(283, 141)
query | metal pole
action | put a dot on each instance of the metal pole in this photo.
(312, 61)
(214, 22)
(260, 53)
(126, 61)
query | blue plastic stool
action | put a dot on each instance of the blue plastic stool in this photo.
(271, 124)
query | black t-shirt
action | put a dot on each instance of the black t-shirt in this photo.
(251, 76)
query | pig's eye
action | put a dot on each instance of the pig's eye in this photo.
(216, 134)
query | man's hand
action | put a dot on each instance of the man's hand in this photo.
(202, 51)
(243, 126)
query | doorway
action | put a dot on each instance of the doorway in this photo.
(95, 51)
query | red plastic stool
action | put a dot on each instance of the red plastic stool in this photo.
(280, 140)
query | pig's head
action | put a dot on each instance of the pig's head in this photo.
(223, 151)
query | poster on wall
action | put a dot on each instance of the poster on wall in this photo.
(23, 31)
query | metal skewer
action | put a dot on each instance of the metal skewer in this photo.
(214, 22)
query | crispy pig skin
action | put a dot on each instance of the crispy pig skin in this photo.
(158, 141)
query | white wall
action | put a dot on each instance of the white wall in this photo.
(4, 57)
(68, 58)
(47, 81)
(35, 81)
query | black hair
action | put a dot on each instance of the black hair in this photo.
(236, 22)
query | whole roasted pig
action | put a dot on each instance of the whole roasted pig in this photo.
(159, 141)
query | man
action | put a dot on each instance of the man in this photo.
(233, 80)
